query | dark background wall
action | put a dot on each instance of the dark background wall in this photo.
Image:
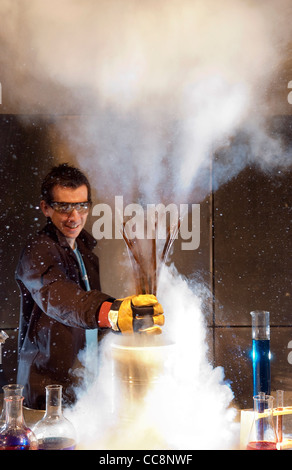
(244, 256)
(252, 271)
(25, 157)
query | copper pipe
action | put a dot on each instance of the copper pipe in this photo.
(146, 271)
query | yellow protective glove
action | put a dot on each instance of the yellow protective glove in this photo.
(137, 313)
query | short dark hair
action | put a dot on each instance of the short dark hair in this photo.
(66, 176)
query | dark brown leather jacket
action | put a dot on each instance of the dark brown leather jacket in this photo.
(55, 311)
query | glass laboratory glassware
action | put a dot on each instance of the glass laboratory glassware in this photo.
(279, 418)
(9, 390)
(15, 435)
(283, 422)
(263, 434)
(54, 431)
(261, 355)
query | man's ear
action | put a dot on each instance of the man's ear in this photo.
(45, 208)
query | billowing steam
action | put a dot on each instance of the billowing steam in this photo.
(153, 88)
(185, 409)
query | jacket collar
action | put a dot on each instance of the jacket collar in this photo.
(55, 233)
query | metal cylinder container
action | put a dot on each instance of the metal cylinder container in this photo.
(140, 363)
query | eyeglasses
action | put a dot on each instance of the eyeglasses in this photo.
(68, 207)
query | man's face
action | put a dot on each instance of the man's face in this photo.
(70, 224)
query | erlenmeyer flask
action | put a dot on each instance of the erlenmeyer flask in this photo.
(54, 431)
(263, 434)
(15, 435)
(9, 390)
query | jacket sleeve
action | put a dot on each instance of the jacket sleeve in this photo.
(43, 272)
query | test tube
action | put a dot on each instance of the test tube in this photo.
(261, 354)
(279, 421)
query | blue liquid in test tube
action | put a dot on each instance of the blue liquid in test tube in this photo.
(261, 354)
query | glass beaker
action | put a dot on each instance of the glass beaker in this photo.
(263, 434)
(54, 431)
(15, 435)
(9, 390)
(261, 355)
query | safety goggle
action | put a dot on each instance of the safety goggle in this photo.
(68, 207)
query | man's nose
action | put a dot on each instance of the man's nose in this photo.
(74, 215)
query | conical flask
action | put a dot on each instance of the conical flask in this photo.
(15, 435)
(54, 431)
(9, 390)
(263, 434)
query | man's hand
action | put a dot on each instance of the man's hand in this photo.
(137, 313)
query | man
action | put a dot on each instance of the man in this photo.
(58, 278)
